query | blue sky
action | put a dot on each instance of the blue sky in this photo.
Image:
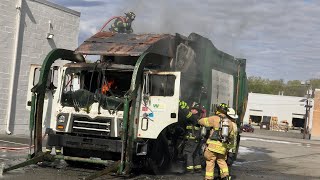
(279, 38)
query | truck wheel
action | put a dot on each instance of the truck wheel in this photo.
(160, 156)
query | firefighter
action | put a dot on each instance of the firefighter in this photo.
(232, 145)
(123, 24)
(188, 118)
(221, 136)
(192, 140)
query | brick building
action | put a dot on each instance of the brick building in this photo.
(24, 29)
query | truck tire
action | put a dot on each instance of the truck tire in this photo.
(160, 156)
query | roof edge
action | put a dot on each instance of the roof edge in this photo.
(59, 7)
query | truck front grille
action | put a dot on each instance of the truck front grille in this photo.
(97, 126)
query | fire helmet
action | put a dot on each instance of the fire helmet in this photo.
(232, 113)
(222, 108)
(197, 106)
(131, 15)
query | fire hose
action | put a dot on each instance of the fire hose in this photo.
(112, 18)
(107, 22)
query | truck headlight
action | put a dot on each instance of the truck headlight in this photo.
(61, 118)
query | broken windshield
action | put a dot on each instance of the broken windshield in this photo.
(85, 86)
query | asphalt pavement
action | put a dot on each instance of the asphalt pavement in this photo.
(260, 157)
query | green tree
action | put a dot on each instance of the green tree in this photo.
(294, 88)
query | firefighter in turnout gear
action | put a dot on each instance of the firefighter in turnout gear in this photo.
(221, 138)
(192, 135)
(232, 145)
(123, 24)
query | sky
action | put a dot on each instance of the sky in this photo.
(279, 38)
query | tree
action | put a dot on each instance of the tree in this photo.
(291, 88)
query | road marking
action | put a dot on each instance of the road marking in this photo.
(13, 142)
(267, 140)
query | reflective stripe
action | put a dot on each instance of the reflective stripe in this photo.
(48, 150)
(197, 167)
(224, 171)
(189, 115)
(216, 128)
(192, 127)
(206, 122)
(183, 105)
(58, 150)
(190, 167)
(209, 174)
(190, 137)
(217, 146)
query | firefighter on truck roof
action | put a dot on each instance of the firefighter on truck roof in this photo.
(123, 24)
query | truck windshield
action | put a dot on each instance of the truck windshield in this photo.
(83, 87)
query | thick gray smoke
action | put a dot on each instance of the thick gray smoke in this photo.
(279, 38)
(224, 26)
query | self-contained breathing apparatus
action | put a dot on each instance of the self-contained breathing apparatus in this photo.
(222, 133)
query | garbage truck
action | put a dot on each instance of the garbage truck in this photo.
(123, 106)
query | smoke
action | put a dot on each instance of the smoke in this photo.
(222, 22)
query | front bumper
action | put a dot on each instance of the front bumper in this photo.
(100, 144)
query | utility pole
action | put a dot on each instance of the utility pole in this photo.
(307, 116)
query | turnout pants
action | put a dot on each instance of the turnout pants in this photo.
(191, 150)
(211, 157)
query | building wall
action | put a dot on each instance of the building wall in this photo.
(7, 34)
(279, 106)
(38, 17)
(315, 131)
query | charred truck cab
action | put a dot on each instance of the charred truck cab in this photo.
(125, 105)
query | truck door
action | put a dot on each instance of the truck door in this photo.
(34, 75)
(160, 103)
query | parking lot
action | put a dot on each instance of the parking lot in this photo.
(260, 157)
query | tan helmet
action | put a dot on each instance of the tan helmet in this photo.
(232, 113)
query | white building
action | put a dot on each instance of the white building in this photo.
(289, 108)
(24, 29)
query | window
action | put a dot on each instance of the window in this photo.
(162, 85)
(52, 80)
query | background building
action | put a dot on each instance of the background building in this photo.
(265, 106)
(29, 29)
